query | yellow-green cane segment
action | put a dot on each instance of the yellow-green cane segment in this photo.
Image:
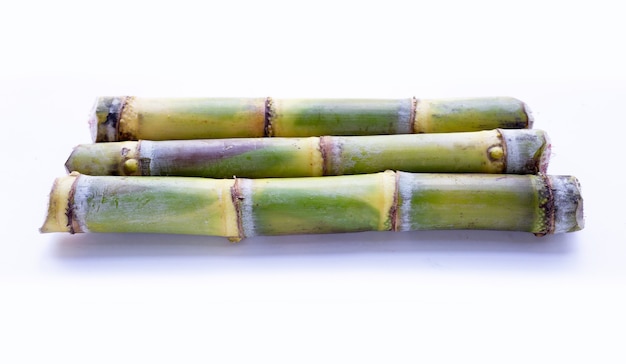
(316, 205)
(474, 202)
(471, 114)
(174, 205)
(386, 201)
(493, 151)
(133, 118)
(315, 117)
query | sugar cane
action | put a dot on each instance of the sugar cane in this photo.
(386, 201)
(134, 118)
(524, 151)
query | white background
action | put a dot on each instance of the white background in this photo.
(452, 296)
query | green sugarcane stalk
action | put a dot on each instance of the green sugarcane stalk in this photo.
(386, 201)
(136, 118)
(523, 151)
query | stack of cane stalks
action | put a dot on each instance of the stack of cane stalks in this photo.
(241, 167)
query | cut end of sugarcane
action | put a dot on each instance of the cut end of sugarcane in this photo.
(93, 121)
(544, 160)
(105, 117)
(544, 153)
(530, 119)
(527, 150)
(69, 163)
(568, 204)
(58, 217)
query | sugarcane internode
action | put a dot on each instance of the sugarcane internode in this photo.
(386, 201)
(524, 151)
(135, 118)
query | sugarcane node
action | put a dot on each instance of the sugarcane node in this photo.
(127, 136)
(325, 147)
(393, 212)
(69, 212)
(237, 198)
(414, 101)
(546, 206)
(269, 113)
(128, 120)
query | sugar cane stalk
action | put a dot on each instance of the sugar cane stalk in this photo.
(523, 151)
(135, 118)
(386, 201)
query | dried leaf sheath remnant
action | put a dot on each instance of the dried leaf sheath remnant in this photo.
(239, 208)
(134, 118)
(523, 151)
